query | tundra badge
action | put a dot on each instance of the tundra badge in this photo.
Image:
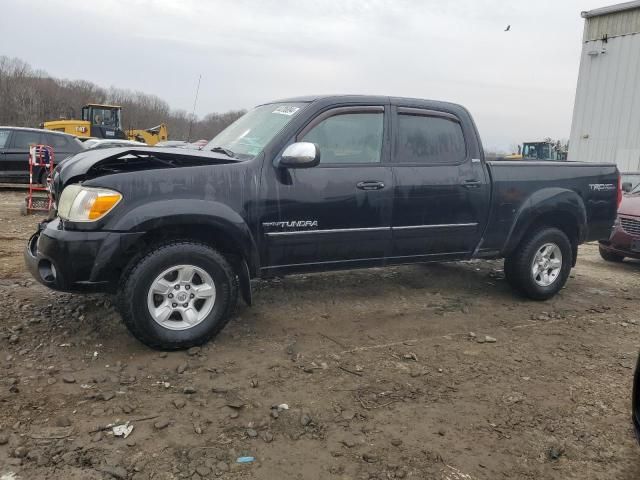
(291, 224)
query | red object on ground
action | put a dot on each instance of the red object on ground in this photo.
(40, 156)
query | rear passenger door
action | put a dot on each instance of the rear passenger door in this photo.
(441, 194)
(5, 138)
(17, 156)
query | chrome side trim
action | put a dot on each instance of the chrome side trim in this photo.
(371, 229)
(443, 225)
(335, 230)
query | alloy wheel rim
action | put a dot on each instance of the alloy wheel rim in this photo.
(547, 264)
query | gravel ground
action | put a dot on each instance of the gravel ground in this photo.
(425, 372)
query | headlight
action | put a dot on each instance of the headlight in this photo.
(86, 204)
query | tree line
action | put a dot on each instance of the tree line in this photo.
(29, 97)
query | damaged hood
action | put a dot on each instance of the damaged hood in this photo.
(93, 163)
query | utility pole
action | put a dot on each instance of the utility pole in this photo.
(193, 113)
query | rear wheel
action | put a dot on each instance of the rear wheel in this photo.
(177, 296)
(540, 265)
(610, 256)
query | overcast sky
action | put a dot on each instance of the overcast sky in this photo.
(519, 85)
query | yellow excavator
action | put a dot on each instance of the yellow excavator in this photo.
(150, 136)
(538, 151)
(105, 121)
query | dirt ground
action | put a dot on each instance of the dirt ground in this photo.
(386, 374)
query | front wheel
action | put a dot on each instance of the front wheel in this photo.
(178, 295)
(540, 265)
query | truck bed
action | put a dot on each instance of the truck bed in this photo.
(516, 185)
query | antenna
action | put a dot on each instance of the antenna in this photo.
(193, 113)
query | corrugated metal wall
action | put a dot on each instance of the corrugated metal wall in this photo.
(613, 25)
(606, 115)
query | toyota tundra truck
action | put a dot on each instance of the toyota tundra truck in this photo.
(301, 185)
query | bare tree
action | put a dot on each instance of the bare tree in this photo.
(30, 97)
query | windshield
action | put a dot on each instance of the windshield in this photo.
(539, 151)
(105, 116)
(247, 136)
(634, 180)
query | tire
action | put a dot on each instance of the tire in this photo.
(555, 248)
(207, 315)
(610, 256)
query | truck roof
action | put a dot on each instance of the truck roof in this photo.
(369, 98)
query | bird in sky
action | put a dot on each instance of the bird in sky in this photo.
(508, 28)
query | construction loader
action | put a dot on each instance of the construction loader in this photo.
(105, 121)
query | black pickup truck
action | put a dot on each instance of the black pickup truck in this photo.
(308, 184)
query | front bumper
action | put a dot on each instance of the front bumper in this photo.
(619, 242)
(77, 261)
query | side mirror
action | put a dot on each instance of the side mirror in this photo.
(626, 187)
(300, 155)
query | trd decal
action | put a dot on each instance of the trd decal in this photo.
(602, 187)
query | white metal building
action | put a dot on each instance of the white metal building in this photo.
(606, 114)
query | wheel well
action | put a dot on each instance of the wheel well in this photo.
(563, 221)
(210, 235)
(213, 236)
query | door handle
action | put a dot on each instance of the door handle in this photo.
(471, 184)
(370, 185)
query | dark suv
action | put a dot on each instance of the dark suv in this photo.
(14, 151)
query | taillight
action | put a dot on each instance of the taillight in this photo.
(619, 190)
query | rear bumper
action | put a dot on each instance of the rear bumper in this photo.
(76, 261)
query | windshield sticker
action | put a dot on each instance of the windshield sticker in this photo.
(285, 110)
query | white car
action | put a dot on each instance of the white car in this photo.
(108, 143)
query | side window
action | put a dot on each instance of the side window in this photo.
(4, 138)
(348, 138)
(56, 141)
(430, 140)
(75, 145)
(23, 139)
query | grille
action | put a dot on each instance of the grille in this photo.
(631, 226)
